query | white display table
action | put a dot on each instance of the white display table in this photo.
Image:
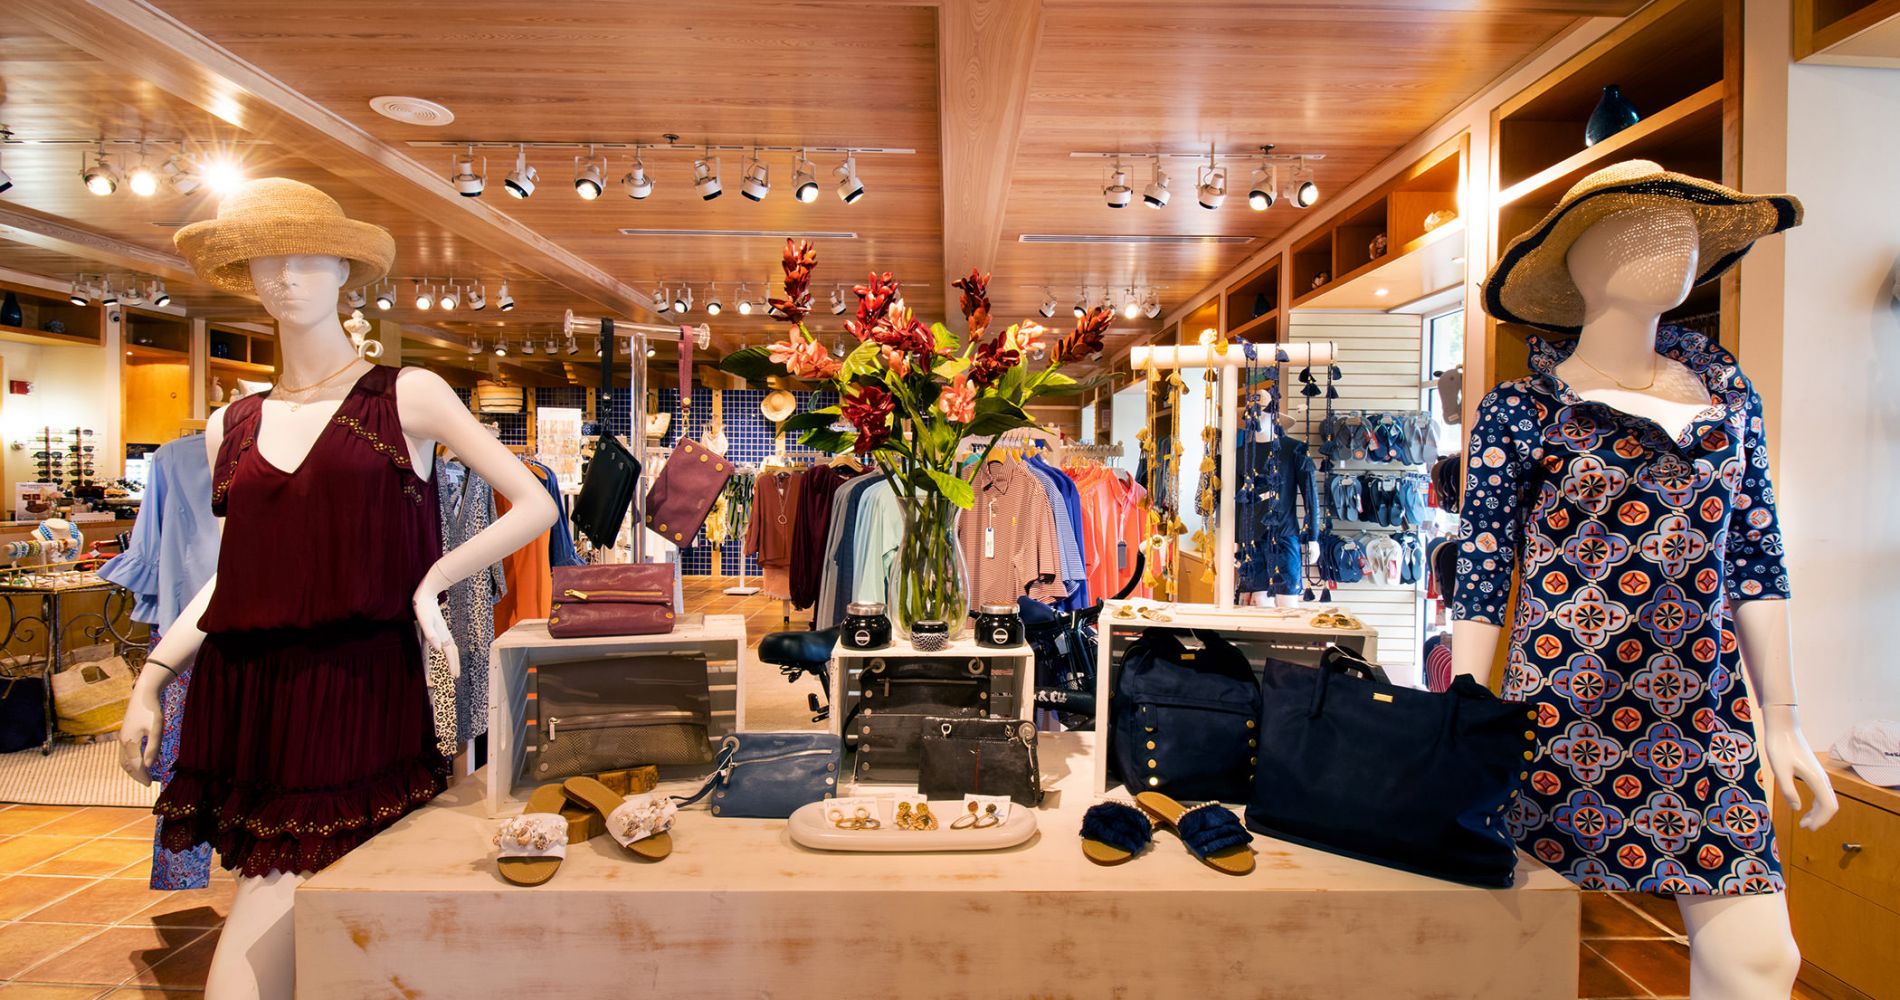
(739, 911)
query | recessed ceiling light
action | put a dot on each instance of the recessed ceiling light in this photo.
(411, 110)
(1382, 292)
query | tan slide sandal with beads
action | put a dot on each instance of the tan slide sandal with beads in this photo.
(641, 823)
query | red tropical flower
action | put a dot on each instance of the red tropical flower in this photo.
(1086, 343)
(869, 410)
(975, 301)
(874, 302)
(992, 361)
(800, 258)
(901, 330)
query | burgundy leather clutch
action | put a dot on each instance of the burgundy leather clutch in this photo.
(684, 492)
(612, 599)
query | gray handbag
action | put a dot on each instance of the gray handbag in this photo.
(621, 711)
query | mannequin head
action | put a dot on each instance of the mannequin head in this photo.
(1643, 260)
(299, 290)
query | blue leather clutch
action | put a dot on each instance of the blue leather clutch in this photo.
(769, 775)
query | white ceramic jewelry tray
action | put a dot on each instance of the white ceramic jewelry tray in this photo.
(811, 828)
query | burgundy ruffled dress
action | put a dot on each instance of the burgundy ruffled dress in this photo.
(310, 726)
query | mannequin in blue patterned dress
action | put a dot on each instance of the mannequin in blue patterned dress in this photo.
(1627, 482)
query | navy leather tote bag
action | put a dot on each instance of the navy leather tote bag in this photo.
(1184, 717)
(1399, 777)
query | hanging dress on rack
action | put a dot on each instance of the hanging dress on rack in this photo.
(310, 726)
(467, 505)
(768, 533)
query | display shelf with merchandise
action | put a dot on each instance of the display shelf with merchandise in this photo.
(520, 652)
(1245, 317)
(78, 325)
(1012, 670)
(1416, 209)
(421, 905)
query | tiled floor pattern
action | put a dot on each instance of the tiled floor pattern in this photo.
(77, 919)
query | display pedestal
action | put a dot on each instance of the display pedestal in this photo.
(740, 911)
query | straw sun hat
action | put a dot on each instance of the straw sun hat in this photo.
(1531, 283)
(276, 216)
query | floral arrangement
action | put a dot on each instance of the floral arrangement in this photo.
(909, 393)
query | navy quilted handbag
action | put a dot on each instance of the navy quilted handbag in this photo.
(1184, 718)
(1396, 776)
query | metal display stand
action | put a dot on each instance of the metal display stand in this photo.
(57, 624)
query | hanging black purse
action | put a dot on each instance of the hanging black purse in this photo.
(1392, 775)
(613, 473)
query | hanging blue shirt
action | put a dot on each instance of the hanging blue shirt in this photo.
(174, 546)
(1066, 501)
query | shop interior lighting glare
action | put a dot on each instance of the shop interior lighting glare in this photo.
(745, 301)
(1117, 192)
(850, 187)
(143, 180)
(755, 179)
(109, 297)
(706, 176)
(504, 301)
(450, 297)
(713, 308)
(1131, 306)
(100, 178)
(683, 302)
(804, 179)
(468, 182)
(223, 175)
(637, 182)
(589, 176)
(501, 346)
(424, 297)
(386, 299)
(521, 180)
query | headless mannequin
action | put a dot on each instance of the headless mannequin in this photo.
(256, 956)
(1632, 266)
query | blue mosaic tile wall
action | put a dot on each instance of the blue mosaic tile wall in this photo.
(748, 441)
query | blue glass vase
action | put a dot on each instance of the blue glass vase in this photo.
(1613, 114)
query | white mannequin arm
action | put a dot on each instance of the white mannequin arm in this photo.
(144, 712)
(431, 412)
(1761, 628)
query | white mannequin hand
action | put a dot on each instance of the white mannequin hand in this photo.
(432, 626)
(1786, 752)
(144, 722)
(1312, 552)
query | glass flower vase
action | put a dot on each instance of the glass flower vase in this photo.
(932, 582)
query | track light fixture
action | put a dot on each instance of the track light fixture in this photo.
(1048, 307)
(143, 180)
(804, 179)
(478, 297)
(527, 344)
(1131, 306)
(683, 303)
(837, 302)
(474, 347)
(450, 298)
(109, 297)
(1157, 193)
(1266, 182)
(589, 176)
(850, 187)
(1081, 302)
(1152, 308)
(78, 295)
(5, 181)
(637, 183)
(467, 182)
(755, 179)
(386, 298)
(181, 174)
(1305, 193)
(745, 301)
(1211, 183)
(505, 302)
(425, 297)
(521, 180)
(713, 308)
(100, 178)
(706, 176)
(501, 346)
(354, 298)
(1117, 192)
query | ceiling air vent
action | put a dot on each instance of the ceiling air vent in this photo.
(411, 110)
(774, 234)
(1162, 240)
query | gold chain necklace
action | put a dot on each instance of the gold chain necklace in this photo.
(285, 390)
(1653, 369)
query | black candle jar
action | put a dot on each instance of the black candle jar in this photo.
(865, 627)
(998, 625)
(929, 636)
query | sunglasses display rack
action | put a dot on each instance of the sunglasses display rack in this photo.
(65, 458)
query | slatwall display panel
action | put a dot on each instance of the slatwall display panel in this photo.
(1379, 358)
(749, 441)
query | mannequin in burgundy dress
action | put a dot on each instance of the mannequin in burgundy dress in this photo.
(310, 727)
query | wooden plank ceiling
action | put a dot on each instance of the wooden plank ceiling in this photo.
(992, 95)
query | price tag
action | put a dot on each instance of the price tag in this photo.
(1121, 555)
(989, 543)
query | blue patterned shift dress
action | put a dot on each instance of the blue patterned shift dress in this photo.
(1632, 550)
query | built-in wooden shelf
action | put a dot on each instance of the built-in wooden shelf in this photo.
(1847, 32)
(84, 325)
(1685, 137)
(1402, 216)
(1245, 317)
(248, 369)
(156, 330)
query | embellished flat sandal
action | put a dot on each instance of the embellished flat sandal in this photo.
(1209, 831)
(1114, 833)
(640, 823)
(531, 846)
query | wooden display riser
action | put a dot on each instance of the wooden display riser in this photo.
(739, 911)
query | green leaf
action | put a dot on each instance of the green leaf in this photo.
(950, 368)
(955, 490)
(811, 420)
(832, 442)
(995, 415)
(947, 342)
(754, 364)
(864, 360)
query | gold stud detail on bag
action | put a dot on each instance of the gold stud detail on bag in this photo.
(1151, 744)
(1252, 724)
(1152, 764)
(1529, 756)
(1153, 781)
(702, 457)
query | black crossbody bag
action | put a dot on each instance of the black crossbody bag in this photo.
(613, 473)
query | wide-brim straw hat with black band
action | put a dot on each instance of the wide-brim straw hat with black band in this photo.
(279, 217)
(1531, 283)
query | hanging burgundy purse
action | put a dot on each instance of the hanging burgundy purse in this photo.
(612, 599)
(694, 476)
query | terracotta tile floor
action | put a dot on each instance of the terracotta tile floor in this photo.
(77, 919)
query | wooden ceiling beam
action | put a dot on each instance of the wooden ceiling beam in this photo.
(985, 51)
(509, 371)
(139, 38)
(32, 229)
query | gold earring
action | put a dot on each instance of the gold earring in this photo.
(837, 819)
(925, 820)
(965, 821)
(903, 816)
(989, 817)
(866, 821)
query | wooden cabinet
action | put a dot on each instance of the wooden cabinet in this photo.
(1844, 892)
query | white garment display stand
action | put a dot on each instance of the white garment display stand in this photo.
(1318, 352)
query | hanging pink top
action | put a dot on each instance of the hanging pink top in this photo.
(346, 536)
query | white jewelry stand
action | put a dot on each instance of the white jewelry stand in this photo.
(1303, 355)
